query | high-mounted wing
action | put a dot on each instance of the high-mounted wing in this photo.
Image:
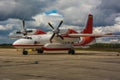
(94, 35)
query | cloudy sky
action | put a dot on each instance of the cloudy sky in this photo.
(106, 14)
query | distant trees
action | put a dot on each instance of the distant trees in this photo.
(6, 46)
(105, 45)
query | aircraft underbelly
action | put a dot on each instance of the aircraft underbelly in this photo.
(57, 46)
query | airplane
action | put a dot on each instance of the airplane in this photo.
(59, 39)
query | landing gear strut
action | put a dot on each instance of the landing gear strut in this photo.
(40, 51)
(25, 52)
(71, 51)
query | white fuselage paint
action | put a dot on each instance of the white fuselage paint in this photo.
(38, 41)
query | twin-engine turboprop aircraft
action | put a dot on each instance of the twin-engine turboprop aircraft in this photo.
(59, 39)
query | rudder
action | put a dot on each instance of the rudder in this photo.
(89, 25)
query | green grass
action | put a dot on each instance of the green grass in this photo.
(6, 46)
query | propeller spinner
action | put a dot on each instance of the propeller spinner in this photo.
(56, 31)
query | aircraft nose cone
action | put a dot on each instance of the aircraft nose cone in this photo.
(22, 43)
(18, 43)
(15, 43)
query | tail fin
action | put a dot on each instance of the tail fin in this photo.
(89, 25)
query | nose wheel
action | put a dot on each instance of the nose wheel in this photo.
(25, 52)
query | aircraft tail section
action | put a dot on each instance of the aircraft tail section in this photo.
(89, 25)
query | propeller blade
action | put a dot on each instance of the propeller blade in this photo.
(29, 31)
(60, 24)
(56, 31)
(51, 25)
(24, 29)
(61, 37)
(23, 23)
(18, 32)
(52, 37)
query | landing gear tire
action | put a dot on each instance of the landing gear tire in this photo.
(71, 51)
(25, 52)
(40, 51)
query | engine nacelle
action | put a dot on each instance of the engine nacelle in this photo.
(57, 46)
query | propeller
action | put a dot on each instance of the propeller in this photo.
(24, 31)
(56, 31)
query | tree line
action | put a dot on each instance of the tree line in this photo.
(105, 45)
(6, 46)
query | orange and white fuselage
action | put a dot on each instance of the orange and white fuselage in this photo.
(67, 40)
(42, 40)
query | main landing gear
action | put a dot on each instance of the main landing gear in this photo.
(40, 51)
(71, 51)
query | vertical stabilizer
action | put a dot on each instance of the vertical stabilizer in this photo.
(89, 25)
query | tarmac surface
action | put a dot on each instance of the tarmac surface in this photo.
(84, 65)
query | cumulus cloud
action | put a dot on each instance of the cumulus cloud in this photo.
(10, 24)
(115, 29)
(22, 9)
(109, 29)
(106, 12)
(75, 11)
(43, 19)
(6, 27)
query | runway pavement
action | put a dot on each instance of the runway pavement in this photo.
(84, 65)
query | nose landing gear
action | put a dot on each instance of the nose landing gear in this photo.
(25, 52)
